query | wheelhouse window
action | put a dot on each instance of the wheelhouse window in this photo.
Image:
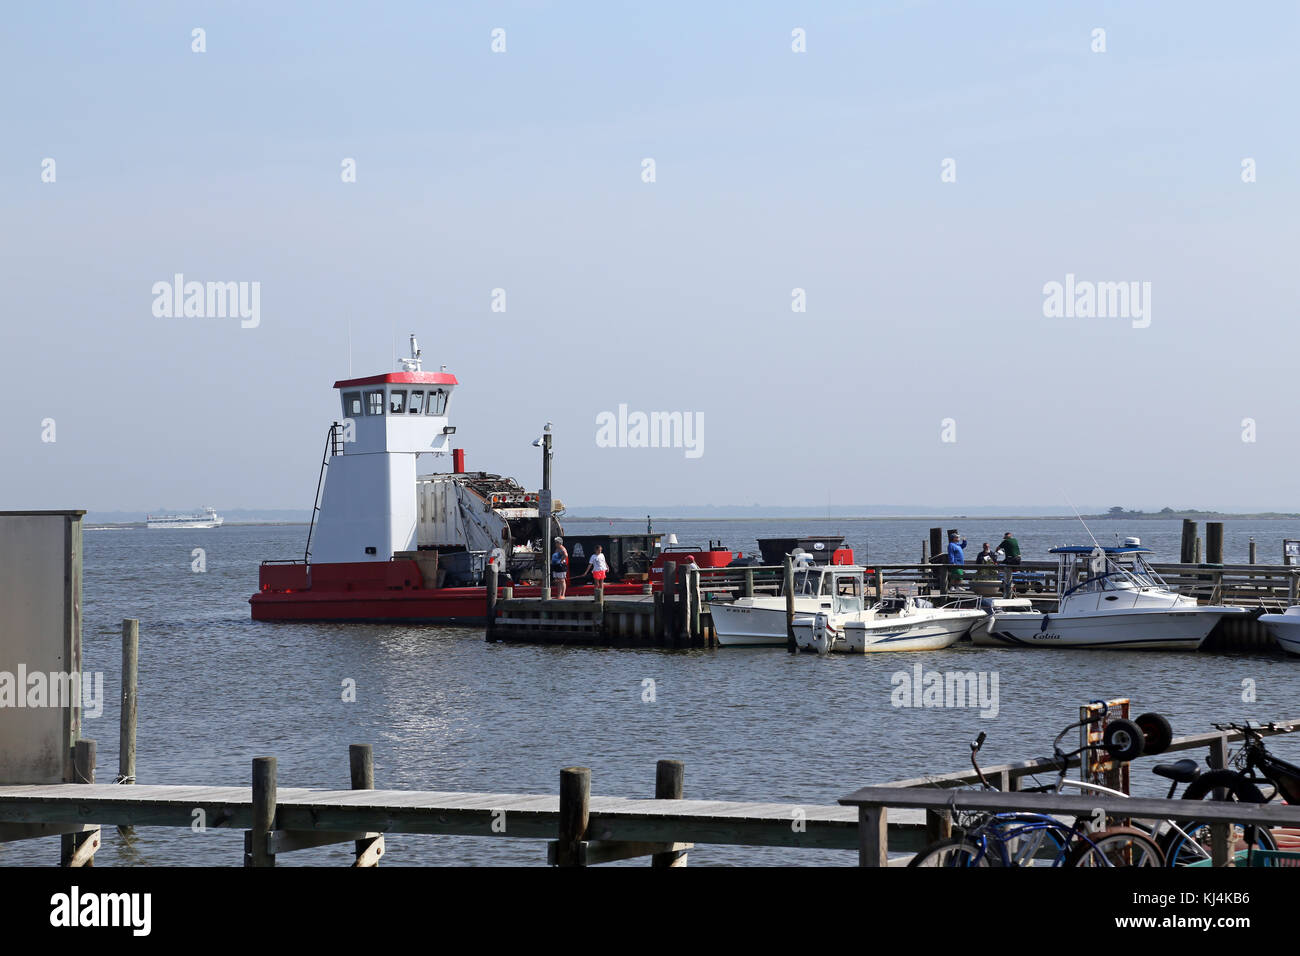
(416, 405)
(352, 407)
(375, 402)
(437, 402)
(397, 401)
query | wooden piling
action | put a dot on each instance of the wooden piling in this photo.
(361, 765)
(694, 596)
(490, 579)
(1252, 551)
(127, 722)
(787, 585)
(256, 852)
(1187, 551)
(575, 804)
(670, 778)
(747, 590)
(1214, 542)
(78, 849)
(1198, 550)
(669, 602)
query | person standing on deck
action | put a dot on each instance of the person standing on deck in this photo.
(956, 558)
(598, 567)
(559, 568)
(1010, 547)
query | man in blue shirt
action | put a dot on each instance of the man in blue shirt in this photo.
(956, 558)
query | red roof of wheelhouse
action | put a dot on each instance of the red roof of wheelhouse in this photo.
(401, 378)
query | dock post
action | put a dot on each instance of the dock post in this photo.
(1252, 551)
(668, 593)
(130, 683)
(78, 849)
(1198, 550)
(682, 601)
(670, 776)
(361, 764)
(256, 851)
(575, 811)
(1219, 850)
(1291, 590)
(1008, 582)
(1187, 550)
(873, 837)
(490, 577)
(787, 585)
(748, 589)
(1214, 542)
(694, 598)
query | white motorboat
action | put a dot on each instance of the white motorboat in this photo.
(1285, 628)
(1110, 598)
(759, 621)
(899, 623)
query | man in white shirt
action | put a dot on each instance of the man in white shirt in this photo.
(598, 567)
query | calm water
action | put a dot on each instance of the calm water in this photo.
(444, 710)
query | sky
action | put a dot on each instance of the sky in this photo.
(922, 171)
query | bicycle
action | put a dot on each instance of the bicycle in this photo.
(1016, 839)
(1254, 763)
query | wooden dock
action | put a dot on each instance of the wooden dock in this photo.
(581, 829)
(680, 617)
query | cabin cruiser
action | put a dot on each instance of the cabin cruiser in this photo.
(760, 620)
(899, 623)
(1285, 628)
(1110, 598)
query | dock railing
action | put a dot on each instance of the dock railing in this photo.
(1271, 586)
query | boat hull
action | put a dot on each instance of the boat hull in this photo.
(755, 622)
(926, 634)
(1136, 629)
(1285, 629)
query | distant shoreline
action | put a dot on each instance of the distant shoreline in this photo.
(1201, 516)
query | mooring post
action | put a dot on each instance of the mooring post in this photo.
(670, 777)
(681, 626)
(126, 728)
(575, 809)
(1214, 542)
(694, 596)
(748, 588)
(669, 612)
(490, 579)
(1198, 550)
(1291, 590)
(361, 765)
(787, 586)
(130, 678)
(78, 849)
(1252, 551)
(1187, 550)
(256, 852)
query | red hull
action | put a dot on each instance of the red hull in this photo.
(378, 591)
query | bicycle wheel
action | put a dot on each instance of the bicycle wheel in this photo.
(1180, 850)
(956, 852)
(1238, 787)
(1118, 846)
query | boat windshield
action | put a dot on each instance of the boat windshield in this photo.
(1116, 572)
(807, 582)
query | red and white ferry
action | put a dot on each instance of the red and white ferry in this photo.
(388, 544)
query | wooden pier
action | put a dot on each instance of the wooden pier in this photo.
(680, 617)
(581, 829)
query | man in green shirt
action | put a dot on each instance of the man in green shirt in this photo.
(1011, 548)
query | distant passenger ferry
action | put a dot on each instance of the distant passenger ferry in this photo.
(208, 519)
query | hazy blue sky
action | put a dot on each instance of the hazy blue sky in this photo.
(774, 170)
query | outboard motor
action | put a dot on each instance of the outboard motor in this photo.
(822, 638)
